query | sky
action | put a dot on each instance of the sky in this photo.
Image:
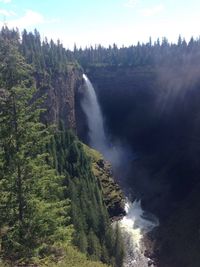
(93, 22)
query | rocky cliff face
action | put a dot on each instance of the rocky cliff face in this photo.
(60, 96)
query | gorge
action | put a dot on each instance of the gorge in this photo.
(154, 108)
(140, 109)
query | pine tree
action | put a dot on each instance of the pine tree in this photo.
(94, 247)
(118, 247)
(81, 241)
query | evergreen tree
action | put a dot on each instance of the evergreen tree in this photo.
(39, 171)
(33, 211)
(119, 247)
(94, 247)
(93, 233)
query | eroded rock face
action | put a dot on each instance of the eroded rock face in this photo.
(60, 98)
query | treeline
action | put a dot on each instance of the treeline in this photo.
(50, 58)
(50, 201)
(151, 53)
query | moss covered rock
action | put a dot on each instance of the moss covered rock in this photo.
(113, 196)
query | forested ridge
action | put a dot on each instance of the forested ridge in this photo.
(160, 52)
(51, 207)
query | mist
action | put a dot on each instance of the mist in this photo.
(117, 153)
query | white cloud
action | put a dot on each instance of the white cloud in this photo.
(148, 12)
(7, 13)
(5, 1)
(30, 18)
(131, 3)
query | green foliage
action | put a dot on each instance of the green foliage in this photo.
(93, 233)
(159, 53)
(33, 209)
(119, 247)
(73, 258)
(49, 196)
(94, 247)
(48, 58)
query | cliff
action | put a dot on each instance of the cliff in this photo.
(177, 239)
(155, 111)
(60, 90)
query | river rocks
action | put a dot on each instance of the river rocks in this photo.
(149, 246)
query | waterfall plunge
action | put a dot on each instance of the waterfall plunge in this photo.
(93, 113)
(135, 224)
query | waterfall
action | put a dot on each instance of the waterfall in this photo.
(94, 116)
(136, 223)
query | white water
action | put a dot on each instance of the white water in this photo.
(136, 223)
(94, 116)
(134, 226)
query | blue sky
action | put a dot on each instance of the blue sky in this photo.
(90, 22)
